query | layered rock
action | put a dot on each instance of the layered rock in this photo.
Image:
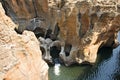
(87, 26)
(26, 9)
(20, 55)
(25, 12)
(80, 26)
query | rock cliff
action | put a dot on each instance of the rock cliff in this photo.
(76, 28)
(20, 55)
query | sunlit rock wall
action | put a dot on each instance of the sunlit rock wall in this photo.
(86, 25)
(20, 55)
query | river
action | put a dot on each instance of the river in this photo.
(107, 67)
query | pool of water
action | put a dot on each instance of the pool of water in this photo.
(107, 67)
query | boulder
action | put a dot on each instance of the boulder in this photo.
(20, 55)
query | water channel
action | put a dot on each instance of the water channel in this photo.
(107, 67)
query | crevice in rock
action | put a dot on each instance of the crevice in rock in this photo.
(80, 32)
(93, 20)
(42, 50)
(60, 3)
(39, 32)
(54, 51)
(4, 79)
(79, 16)
(80, 29)
(17, 31)
(52, 36)
(35, 9)
(18, 3)
(56, 30)
(67, 49)
(48, 33)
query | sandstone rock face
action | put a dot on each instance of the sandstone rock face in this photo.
(26, 9)
(24, 12)
(80, 26)
(87, 26)
(20, 55)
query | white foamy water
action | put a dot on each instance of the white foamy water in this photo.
(57, 69)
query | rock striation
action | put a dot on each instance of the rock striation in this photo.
(20, 55)
(25, 12)
(80, 27)
(87, 26)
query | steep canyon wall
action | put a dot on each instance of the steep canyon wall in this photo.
(85, 25)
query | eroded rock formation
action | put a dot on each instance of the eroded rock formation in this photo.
(27, 13)
(20, 55)
(88, 29)
(80, 26)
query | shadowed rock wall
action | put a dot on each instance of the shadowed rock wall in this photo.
(86, 25)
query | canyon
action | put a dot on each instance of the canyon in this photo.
(31, 30)
(18, 58)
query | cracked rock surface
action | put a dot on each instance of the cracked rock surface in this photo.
(18, 58)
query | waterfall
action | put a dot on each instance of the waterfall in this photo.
(57, 67)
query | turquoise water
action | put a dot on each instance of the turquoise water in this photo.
(67, 73)
(107, 67)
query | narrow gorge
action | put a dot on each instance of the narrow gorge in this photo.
(34, 33)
